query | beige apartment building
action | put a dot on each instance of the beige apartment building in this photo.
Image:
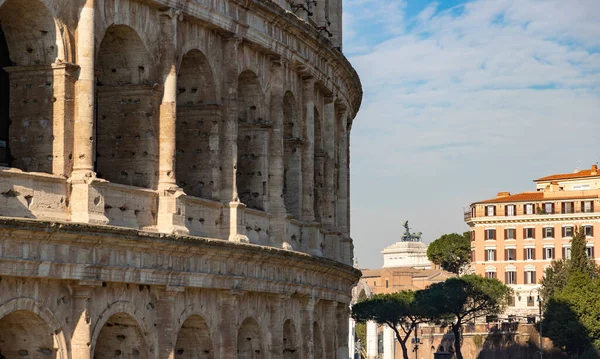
(516, 236)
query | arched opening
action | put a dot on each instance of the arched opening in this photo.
(253, 142)
(292, 160)
(249, 341)
(197, 162)
(127, 110)
(319, 173)
(121, 337)
(290, 344)
(317, 341)
(193, 340)
(23, 334)
(28, 47)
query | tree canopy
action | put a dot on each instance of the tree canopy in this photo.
(457, 301)
(451, 251)
(399, 311)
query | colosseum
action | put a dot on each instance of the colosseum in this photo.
(174, 179)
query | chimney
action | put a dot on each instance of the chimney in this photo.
(503, 194)
(594, 170)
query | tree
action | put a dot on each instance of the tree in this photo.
(451, 251)
(399, 311)
(458, 301)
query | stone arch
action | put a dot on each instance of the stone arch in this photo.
(194, 339)
(253, 139)
(124, 310)
(318, 342)
(198, 117)
(290, 341)
(121, 336)
(319, 172)
(127, 110)
(249, 340)
(292, 159)
(29, 326)
(29, 37)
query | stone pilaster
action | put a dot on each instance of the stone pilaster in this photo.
(329, 204)
(343, 332)
(228, 324)
(166, 320)
(343, 178)
(276, 166)
(275, 332)
(81, 342)
(308, 313)
(308, 155)
(330, 329)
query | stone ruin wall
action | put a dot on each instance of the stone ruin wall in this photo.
(174, 179)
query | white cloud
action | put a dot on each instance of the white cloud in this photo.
(462, 104)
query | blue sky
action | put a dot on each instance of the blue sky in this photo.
(464, 99)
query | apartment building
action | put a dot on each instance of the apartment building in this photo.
(514, 237)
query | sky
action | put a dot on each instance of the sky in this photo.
(462, 100)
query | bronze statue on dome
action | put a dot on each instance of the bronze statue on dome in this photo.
(410, 237)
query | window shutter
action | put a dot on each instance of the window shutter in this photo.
(506, 277)
(582, 206)
(592, 205)
(592, 230)
(533, 281)
(553, 253)
(494, 210)
(562, 207)
(505, 233)
(533, 233)
(494, 234)
(506, 254)
(592, 250)
(524, 233)
(524, 253)
(564, 252)
(533, 253)
(552, 208)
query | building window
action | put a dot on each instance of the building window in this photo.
(509, 210)
(491, 275)
(549, 208)
(511, 277)
(510, 233)
(589, 231)
(566, 252)
(528, 233)
(511, 254)
(490, 211)
(472, 256)
(511, 300)
(587, 206)
(491, 254)
(529, 253)
(490, 234)
(374, 283)
(472, 236)
(529, 277)
(530, 301)
(590, 252)
(528, 208)
(549, 232)
(567, 207)
(567, 231)
(386, 283)
(548, 253)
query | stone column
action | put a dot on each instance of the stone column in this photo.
(275, 331)
(83, 161)
(81, 341)
(308, 155)
(388, 342)
(166, 321)
(351, 340)
(330, 329)
(233, 221)
(228, 325)
(276, 167)
(87, 204)
(372, 349)
(343, 199)
(329, 121)
(308, 312)
(343, 333)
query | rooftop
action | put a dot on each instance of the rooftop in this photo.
(536, 196)
(593, 172)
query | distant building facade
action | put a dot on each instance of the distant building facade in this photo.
(515, 237)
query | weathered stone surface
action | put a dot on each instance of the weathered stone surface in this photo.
(174, 179)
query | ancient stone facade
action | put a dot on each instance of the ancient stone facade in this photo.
(175, 179)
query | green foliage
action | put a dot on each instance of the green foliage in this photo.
(360, 329)
(460, 300)
(451, 251)
(478, 341)
(572, 293)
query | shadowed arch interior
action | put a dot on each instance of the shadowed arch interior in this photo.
(290, 341)
(253, 142)
(193, 340)
(29, 45)
(198, 116)
(249, 341)
(24, 334)
(127, 110)
(292, 156)
(121, 337)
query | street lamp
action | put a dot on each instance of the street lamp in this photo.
(416, 342)
(539, 300)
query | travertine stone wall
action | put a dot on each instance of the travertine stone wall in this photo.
(135, 130)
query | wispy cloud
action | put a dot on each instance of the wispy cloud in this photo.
(463, 101)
